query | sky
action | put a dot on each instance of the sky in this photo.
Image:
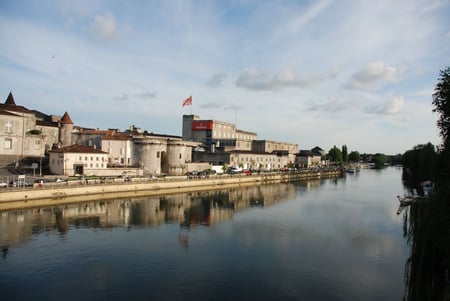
(316, 73)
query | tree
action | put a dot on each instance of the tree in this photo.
(379, 160)
(354, 156)
(441, 103)
(335, 155)
(344, 153)
(419, 164)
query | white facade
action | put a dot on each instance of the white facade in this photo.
(120, 149)
(78, 160)
(258, 161)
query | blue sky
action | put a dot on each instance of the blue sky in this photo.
(315, 73)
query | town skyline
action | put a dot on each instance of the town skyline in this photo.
(322, 73)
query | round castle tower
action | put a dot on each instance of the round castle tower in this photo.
(65, 131)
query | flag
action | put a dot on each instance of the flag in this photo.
(187, 101)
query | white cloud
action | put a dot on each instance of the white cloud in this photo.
(391, 107)
(251, 78)
(335, 105)
(299, 21)
(177, 48)
(216, 80)
(146, 95)
(104, 26)
(374, 75)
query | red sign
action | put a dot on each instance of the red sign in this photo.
(202, 125)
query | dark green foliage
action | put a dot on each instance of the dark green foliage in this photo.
(428, 268)
(441, 103)
(335, 155)
(379, 160)
(419, 164)
(34, 132)
(344, 153)
(354, 156)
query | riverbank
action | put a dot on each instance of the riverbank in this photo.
(68, 193)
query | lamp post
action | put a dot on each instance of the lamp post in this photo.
(40, 157)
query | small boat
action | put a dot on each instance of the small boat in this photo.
(407, 199)
(404, 201)
(350, 170)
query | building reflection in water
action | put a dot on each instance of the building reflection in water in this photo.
(189, 210)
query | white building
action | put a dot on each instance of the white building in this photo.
(78, 160)
(120, 148)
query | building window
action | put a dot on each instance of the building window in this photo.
(96, 158)
(92, 159)
(157, 154)
(180, 155)
(86, 158)
(8, 143)
(37, 144)
(9, 126)
(80, 158)
(90, 142)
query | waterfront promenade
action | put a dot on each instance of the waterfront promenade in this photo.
(87, 190)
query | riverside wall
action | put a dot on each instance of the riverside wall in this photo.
(63, 194)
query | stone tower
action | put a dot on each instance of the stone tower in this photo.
(66, 129)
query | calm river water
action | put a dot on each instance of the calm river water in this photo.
(334, 239)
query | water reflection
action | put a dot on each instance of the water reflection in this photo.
(335, 239)
(189, 210)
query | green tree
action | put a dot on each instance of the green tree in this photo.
(419, 164)
(344, 153)
(379, 160)
(335, 155)
(441, 103)
(427, 270)
(354, 156)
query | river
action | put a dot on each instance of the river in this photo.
(331, 239)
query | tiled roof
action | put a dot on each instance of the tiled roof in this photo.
(115, 135)
(10, 100)
(91, 132)
(66, 119)
(10, 105)
(76, 148)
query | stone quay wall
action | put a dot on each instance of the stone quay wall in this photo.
(64, 193)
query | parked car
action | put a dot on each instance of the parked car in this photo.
(41, 181)
(3, 185)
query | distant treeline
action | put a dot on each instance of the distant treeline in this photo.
(342, 157)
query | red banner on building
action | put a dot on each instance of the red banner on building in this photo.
(205, 125)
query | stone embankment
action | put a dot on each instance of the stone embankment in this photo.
(76, 191)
